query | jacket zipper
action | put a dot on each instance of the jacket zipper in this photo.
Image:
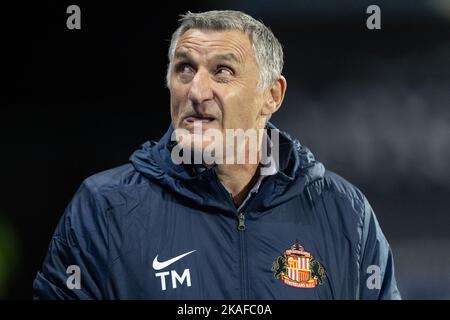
(243, 243)
(244, 271)
(241, 218)
(243, 246)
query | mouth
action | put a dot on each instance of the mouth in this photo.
(203, 118)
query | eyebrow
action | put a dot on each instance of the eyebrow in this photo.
(182, 55)
(227, 57)
(222, 56)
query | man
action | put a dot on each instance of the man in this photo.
(281, 227)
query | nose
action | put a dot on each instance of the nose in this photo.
(200, 90)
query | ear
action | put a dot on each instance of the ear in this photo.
(274, 97)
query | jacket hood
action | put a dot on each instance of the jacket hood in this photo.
(298, 173)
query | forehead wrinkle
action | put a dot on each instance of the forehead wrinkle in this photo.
(229, 56)
(191, 42)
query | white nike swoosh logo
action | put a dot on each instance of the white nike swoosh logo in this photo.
(161, 265)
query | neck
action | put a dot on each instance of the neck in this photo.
(238, 179)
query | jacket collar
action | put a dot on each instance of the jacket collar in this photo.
(297, 169)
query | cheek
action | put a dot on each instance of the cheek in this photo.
(240, 110)
(176, 101)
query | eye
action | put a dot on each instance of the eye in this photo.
(184, 68)
(224, 72)
(185, 71)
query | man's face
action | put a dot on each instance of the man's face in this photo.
(213, 81)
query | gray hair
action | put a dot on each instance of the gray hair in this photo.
(268, 50)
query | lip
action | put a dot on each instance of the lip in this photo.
(204, 118)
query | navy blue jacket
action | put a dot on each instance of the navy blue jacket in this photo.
(151, 229)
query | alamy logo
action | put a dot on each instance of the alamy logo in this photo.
(230, 146)
(374, 280)
(74, 279)
(74, 20)
(175, 277)
(373, 22)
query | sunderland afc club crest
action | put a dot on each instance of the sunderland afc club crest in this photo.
(297, 268)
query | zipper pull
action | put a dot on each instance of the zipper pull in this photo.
(241, 226)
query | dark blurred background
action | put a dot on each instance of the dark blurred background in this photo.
(373, 105)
